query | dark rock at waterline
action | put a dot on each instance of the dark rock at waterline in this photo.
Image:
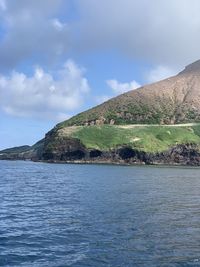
(53, 149)
(187, 154)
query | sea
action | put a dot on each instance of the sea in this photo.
(57, 215)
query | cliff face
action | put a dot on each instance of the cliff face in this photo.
(188, 154)
(65, 148)
(71, 150)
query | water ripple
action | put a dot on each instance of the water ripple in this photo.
(79, 215)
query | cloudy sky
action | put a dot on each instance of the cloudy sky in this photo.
(60, 57)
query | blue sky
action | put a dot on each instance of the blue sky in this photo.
(60, 57)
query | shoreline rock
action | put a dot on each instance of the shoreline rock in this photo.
(75, 152)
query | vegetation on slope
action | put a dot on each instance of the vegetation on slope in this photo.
(69, 142)
(144, 138)
(170, 101)
(122, 110)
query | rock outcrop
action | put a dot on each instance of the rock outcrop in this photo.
(70, 150)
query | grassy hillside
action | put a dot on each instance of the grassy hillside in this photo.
(152, 138)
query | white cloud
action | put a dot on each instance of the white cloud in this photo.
(32, 29)
(119, 88)
(116, 89)
(3, 5)
(158, 32)
(44, 95)
(102, 98)
(160, 73)
(58, 25)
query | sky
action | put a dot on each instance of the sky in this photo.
(61, 57)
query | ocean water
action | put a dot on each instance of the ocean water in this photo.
(54, 215)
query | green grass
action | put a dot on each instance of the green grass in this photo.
(147, 138)
(102, 137)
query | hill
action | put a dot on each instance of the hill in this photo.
(155, 124)
(171, 101)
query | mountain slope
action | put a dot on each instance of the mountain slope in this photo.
(173, 100)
